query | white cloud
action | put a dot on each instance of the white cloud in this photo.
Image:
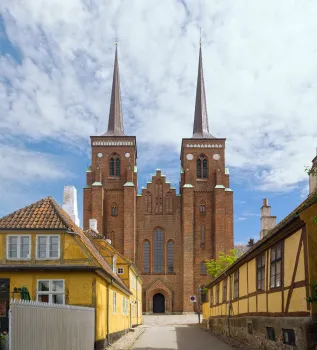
(260, 64)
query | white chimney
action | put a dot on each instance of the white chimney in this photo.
(108, 240)
(70, 203)
(93, 224)
(313, 176)
(267, 220)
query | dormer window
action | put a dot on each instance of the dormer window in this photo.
(202, 167)
(114, 165)
(47, 247)
(18, 247)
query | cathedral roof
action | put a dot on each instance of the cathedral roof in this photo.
(201, 127)
(115, 124)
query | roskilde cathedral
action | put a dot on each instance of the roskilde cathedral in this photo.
(167, 235)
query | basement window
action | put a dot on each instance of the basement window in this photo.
(289, 336)
(250, 330)
(270, 333)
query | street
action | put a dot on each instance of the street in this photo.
(176, 332)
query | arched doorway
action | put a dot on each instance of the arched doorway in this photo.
(158, 303)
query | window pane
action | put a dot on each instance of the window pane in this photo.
(54, 247)
(158, 250)
(111, 167)
(44, 286)
(58, 299)
(25, 247)
(41, 247)
(13, 247)
(146, 257)
(57, 286)
(199, 168)
(272, 254)
(170, 256)
(117, 167)
(278, 251)
(205, 168)
(43, 298)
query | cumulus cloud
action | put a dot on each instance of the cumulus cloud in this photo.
(260, 65)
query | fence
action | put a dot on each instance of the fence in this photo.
(39, 326)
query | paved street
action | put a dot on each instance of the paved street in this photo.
(176, 332)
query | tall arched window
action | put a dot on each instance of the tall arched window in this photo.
(158, 250)
(202, 233)
(148, 202)
(146, 256)
(114, 209)
(169, 203)
(170, 256)
(158, 197)
(202, 167)
(114, 165)
(202, 207)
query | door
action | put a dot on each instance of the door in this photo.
(158, 303)
(4, 304)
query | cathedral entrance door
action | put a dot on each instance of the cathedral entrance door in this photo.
(158, 303)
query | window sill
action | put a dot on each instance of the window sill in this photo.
(18, 259)
(205, 179)
(276, 289)
(114, 177)
(41, 259)
(171, 273)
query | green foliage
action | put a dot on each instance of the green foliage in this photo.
(313, 298)
(3, 336)
(216, 267)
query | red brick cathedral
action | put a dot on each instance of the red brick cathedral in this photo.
(167, 235)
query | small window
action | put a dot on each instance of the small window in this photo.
(289, 336)
(114, 210)
(48, 247)
(120, 270)
(270, 333)
(51, 291)
(202, 209)
(236, 284)
(202, 233)
(224, 290)
(260, 263)
(203, 268)
(250, 329)
(18, 247)
(114, 303)
(217, 293)
(276, 266)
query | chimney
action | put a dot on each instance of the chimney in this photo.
(251, 242)
(313, 176)
(93, 224)
(267, 221)
(70, 203)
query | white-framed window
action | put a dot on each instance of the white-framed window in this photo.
(47, 247)
(114, 303)
(18, 247)
(120, 270)
(51, 291)
(114, 264)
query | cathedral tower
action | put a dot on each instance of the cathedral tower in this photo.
(111, 187)
(207, 200)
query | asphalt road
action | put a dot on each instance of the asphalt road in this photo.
(170, 333)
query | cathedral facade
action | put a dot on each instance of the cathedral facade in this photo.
(166, 234)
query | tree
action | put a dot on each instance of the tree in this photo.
(216, 267)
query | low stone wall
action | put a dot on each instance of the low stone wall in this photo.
(252, 330)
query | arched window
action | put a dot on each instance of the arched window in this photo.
(158, 250)
(114, 165)
(203, 268)
(202, 207)
(202, 167)
(169, 203)
(114, 210)
(146, 256)
(158, 197)
(148, 202)
(202, 233)
(170, 256)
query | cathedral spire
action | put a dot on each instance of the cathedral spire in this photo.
(115, 124)
(201, 128)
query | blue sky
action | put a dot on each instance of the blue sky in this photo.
(56, 62)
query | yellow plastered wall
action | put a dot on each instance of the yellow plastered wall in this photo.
(290, 250)
(243, 291)
(101, 308)
(251, 276)
(275, 302)
(117, 320)
(298, 300)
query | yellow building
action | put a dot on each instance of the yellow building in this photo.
(127, 271)
(262, 298)
(41, 248)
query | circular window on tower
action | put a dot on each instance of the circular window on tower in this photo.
(216, 156)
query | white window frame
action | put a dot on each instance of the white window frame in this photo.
(120, 268)
(19, 247)
(114, 303)
(50, 293)
(48, 247)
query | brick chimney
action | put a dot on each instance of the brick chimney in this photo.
(267, 221)
(70, 203)
(313, 176)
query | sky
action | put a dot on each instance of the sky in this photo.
(260, 67)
